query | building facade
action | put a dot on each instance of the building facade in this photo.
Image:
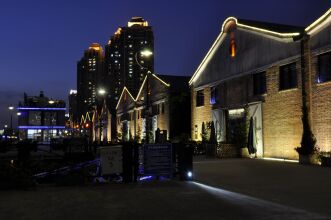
(257, 72)
(90, 77)
(162, 103)
(125, 66)
(124, 63)
(40, 118)
(73, 108)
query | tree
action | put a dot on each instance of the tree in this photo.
(204, 133)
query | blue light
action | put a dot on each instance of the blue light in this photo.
(212, 100)
(41, 127)
(33, 108)
(189, 174)
(145, 178)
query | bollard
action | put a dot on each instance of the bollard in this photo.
(127, 162)
(185, 161)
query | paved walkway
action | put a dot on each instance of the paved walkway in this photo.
(222, 189)
(155, 200)
(291, 184)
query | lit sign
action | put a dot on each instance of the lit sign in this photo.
(41, 127)
(32, 108)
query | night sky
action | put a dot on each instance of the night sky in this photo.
(42, 40)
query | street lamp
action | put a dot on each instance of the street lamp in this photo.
(146, 53)
(11, 108)
(102, 92)
(143, 53)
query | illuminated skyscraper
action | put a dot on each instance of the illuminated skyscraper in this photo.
(89, 78)
(122, 55)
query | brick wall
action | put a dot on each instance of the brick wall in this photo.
(321, 109)
(282, 127)
(200, 114)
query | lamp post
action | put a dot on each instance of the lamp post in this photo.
(11, 108)
(102, 93)
(146, 53)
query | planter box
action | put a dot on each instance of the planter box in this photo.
(211, 150)
(225, 150)
(308, 159)
(244, 152)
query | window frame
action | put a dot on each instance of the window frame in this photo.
(318, 75)
(286, 81)
(213, 95)
(199, 98)
(258, 79)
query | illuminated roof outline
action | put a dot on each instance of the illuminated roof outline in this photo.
(141, 88)
(275, 30)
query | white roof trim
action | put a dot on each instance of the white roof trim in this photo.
(220, 38)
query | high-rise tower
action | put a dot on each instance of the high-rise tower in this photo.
(89, 78)
(125, 66)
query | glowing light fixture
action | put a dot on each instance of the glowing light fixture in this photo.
(189, 174)
(11, 108)
(102, 91)
(281, 160)
(19, 113)
(146, 53)
(51, 102)
(72, 91)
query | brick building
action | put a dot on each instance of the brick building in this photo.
(161, 103)
(260, 69)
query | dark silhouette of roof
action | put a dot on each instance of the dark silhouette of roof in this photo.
(177, 83)
(280, 28)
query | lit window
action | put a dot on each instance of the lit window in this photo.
(213, 95)
(232, 48)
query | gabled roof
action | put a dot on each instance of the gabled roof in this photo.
(319, 23)
(178, 83)
(275, 30)
(140, 90)
(123, 91)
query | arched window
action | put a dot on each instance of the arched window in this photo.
(233, 46)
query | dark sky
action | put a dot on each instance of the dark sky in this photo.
(43, 39)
